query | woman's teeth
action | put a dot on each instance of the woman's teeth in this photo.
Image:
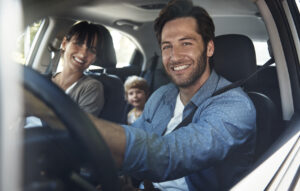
(79, 60)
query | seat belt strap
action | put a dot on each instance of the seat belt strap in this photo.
(242, 81)
(184, 122)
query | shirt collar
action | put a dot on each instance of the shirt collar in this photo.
(171, 95)
(207, 89)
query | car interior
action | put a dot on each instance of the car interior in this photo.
(256, 47)
(114, 105)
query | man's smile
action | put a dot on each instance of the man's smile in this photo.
(180, 67)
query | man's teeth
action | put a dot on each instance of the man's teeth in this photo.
(176, 68)
(79, 60)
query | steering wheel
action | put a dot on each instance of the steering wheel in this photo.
(77, 124)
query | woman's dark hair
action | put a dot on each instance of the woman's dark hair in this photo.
(83, 30)
(185, 8)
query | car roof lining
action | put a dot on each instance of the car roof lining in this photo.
(241, 11)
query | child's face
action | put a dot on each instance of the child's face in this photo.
(136, 97)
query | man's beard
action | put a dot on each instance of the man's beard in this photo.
(195, 75)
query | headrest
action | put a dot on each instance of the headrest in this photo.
(107, 58)
(234, 57)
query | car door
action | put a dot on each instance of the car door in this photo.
(278, 168)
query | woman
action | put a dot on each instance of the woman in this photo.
(80, 47)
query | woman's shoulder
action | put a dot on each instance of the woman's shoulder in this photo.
(87, 83)
(89, 80)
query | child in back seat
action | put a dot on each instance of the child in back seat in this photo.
(136, 94)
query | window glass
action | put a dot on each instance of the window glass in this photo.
(124, 47)
(298, 4)
(262, 52)
(25, 41)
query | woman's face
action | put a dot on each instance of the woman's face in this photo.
(78, 56)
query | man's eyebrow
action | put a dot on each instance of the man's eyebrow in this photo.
(181, 39)
(187, 38)
(164, 42)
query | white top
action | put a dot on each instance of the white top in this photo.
(178, 184)
(177, 116)
(70, 88)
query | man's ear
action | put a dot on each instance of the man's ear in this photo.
(210, 48)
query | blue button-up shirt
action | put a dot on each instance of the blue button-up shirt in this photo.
(212, 152)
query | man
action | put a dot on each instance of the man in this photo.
(216, 147)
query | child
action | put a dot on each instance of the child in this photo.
(136, 93)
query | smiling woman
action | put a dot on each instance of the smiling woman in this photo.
(81, 47)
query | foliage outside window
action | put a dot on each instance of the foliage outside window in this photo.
(24, 42)
(124, 48)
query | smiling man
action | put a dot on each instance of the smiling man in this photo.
(212, 149)
(185, 56)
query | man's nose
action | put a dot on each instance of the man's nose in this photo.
(175, 54)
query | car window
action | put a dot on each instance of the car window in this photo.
(298, 4)
(262, 52)
(25, 42)
(124, 47)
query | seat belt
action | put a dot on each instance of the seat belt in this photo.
(243, 81)
(54, 50)
(184, 122)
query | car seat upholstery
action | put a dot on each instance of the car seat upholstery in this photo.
(108, 62)
(267, 119)
(134, 67)
(234, 59)
(107, 58)
(113, 87)
(114, 104)
(155, 75)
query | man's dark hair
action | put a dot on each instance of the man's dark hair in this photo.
(83, 30)
(185, 8)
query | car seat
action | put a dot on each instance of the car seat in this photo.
(234, 59)
(134, 67)
(114, 104)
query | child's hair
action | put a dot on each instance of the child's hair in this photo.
(136, 82)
